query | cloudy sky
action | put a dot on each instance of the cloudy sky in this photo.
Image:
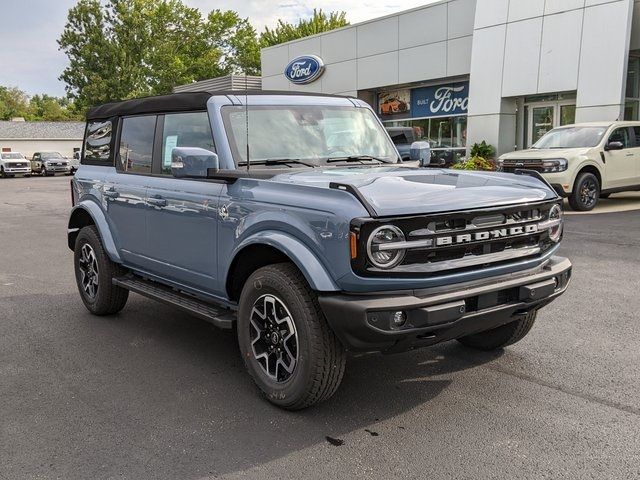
(29, 56)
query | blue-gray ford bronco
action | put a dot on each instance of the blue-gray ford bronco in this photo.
(289, 218)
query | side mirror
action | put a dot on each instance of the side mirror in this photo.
(421, 152)
(614, 146)
(192, 162)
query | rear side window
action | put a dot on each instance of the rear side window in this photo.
(135, 154)
(97, 144)
(185, 130)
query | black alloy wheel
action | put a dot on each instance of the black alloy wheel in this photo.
(586, 192)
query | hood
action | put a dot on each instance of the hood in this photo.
(410, 191)
(545, 153)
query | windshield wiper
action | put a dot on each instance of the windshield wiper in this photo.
(354, 158)
(279, 161)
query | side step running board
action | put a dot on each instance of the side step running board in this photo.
(219, 316)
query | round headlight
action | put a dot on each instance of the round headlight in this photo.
(380, 249)
(555, 216)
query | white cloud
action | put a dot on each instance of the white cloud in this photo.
(30, 59)
(267, 12)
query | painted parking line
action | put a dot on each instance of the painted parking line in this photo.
(618, 202)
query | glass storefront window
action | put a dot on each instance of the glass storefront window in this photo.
(447, 137)
(632, 91)
(443, 132)
(631, 110)
(567, 114)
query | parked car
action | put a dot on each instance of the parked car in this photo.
(402, 138)
(310, 249)
(584, 162)
(12, 164)
(49, 163)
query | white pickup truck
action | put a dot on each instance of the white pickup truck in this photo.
(14, 163)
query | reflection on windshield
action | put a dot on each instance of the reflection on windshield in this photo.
(310, 133)
(571, 137)
(47, 155)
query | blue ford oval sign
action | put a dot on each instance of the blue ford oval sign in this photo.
(304, 69)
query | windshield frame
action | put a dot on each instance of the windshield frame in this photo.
(240, 162)
(602, 136)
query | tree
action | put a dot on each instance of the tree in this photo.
(16, 103)
(122, 49)
(318, 23)
(46, 107)
(13, 103)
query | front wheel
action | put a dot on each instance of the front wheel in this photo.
(290, 351)
(502, 336)
(586, 192)
(94, 275)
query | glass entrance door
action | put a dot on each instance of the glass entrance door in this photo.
(542, 117)
(540, 121)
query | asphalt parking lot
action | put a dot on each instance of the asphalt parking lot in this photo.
(154, 393)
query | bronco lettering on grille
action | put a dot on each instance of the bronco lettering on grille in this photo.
(486, 235)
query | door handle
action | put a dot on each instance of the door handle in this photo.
(111, 193)
(157, 201)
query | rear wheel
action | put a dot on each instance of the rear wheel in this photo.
(288, 348)
(95, 273)
(502, 336)
(586, 192)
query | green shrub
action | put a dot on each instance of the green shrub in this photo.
(475, 163)
(483, 149)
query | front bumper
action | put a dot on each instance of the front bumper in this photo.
(17, 170)
(434, 315)
(57, 169)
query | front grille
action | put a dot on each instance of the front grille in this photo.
(510, 166)
(452, 242)
(16, 164)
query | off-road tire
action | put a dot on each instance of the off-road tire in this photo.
(502, 336)
(109, 298)
(321, 357)
(576, 200)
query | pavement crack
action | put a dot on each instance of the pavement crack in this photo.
(568, 391)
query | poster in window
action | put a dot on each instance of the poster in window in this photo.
(394, 102)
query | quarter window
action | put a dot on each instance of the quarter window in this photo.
(97, 144)
(136, 144)
(621, 135)
(185, 130)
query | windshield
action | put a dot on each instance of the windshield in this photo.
(571, 137)
(310, 133)
(12, 156)
(48, 155)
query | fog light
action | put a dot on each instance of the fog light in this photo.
(399, 319)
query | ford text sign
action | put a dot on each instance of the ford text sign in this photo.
(304, 69)
(440, 100)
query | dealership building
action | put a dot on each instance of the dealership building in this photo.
(462, 71)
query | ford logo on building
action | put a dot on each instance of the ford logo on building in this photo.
(304, 69)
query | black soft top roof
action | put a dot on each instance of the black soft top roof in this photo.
(174, 102)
